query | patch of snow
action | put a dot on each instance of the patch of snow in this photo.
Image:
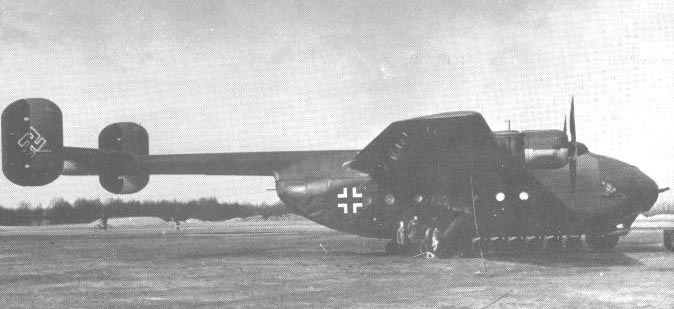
(133, 221)
(196, 221)
(255, 218)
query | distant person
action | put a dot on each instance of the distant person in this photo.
(413, 234)
(435, 240)
(102, 225)
(401, 237)
(426, 243)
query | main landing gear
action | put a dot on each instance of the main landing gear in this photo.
(573, 243)
(528, 245)
(391, 248)
(551, 244)
(667, 236)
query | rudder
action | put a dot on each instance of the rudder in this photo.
(32, 142)
(127, 137)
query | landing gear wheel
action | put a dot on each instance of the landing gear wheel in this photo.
(456, 238)
(476, 245)
(480, 245)
(465, 247)
(573, 243)
(391, 248)
(554, 244)
(517, 245)
(459, 247)
(498, 245)
(447, 249)
(602, 243)
(667, 239)
(534, 245)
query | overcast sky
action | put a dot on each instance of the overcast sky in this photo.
(220, 76)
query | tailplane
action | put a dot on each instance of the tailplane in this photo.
(33, 153)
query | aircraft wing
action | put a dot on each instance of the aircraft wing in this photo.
(242, 163)
(84, 161)
(438, 150)
(459, 141)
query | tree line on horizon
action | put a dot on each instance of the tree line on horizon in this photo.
(61, 211)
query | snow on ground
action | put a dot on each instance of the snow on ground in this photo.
(134, 221)
(154, 221)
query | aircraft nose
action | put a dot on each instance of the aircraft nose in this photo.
(641, 190)
(620, 178)
(646, 192)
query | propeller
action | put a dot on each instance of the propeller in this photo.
(573, 147)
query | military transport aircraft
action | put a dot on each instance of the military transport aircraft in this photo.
(523, 190)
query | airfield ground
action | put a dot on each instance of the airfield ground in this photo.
(284, 263)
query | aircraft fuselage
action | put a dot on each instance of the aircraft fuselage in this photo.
(538, 203)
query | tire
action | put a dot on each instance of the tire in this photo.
(667, 239)
(553, 244)
(447, 249)
(534, 245)
(517, 245)
(573, 244)
(499, 245)
(391, 248)
(593, 241)
(457, 237)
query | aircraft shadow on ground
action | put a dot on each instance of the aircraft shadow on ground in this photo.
(235, 253)
(641, 249)
(363, 254)
(582, 259)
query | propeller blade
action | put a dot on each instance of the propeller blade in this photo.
(565, 131)
(572, 123)
(573, 147)
(572, 173)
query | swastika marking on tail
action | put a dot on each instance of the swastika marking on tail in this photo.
(32, 141)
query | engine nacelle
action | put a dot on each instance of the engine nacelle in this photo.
(126, 137)
(32, 142)
(545, 149)
(540, 149)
